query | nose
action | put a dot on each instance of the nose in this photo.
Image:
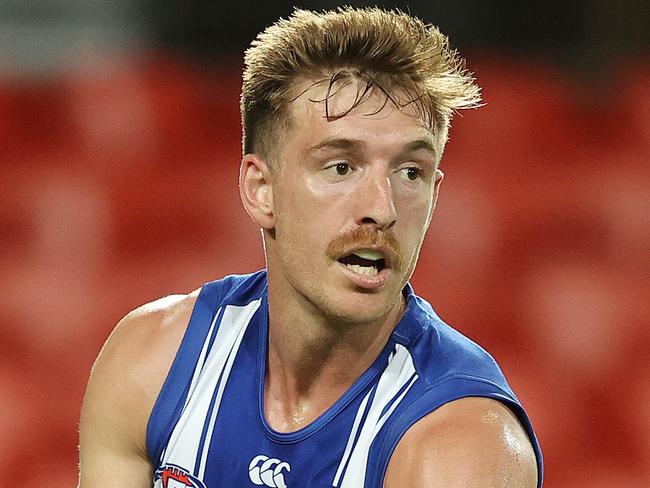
(376, 202)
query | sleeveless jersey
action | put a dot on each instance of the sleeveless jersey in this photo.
(207, 428)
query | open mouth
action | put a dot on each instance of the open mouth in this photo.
(365, 262)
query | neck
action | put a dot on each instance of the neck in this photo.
(313, 359)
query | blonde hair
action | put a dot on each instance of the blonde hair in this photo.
(383, 49)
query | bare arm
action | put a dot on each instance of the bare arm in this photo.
(123, 387)
(468, 443)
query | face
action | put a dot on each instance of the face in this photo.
(352, 199)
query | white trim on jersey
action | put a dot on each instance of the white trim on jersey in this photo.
(399, 373)
(222, 385)
(353, 435)
(184, 443)
(197, 369)
(200, 363)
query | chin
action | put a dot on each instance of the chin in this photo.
(358, 307)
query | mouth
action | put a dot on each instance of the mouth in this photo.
(366, 262)
(367, 269)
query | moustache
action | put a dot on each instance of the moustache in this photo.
(366, 237)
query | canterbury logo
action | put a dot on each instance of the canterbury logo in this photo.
(269, 472)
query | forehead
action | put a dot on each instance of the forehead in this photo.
(347, 109)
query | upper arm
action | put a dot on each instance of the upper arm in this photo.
(123, 386)
(472, 442)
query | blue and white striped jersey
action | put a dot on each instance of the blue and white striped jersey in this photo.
(208, 430)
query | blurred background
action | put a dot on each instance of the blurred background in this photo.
(119, 153)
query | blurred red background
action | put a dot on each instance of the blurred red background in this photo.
(119, 185)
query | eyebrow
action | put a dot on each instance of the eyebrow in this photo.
(355, 145)
(340, 143)
(418, 144)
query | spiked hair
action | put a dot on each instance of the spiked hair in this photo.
(383, 50)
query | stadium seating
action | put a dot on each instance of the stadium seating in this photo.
(120, 185)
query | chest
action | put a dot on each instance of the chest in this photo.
(220, 436)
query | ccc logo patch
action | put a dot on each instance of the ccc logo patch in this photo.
(265, 471)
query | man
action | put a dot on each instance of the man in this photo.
(325, 369)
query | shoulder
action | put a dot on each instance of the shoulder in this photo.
(131, 368)
(440, 351)
(144, 342)
(466, 442)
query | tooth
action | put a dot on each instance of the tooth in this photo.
(368, 254)
(364, 270)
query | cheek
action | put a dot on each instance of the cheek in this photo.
(326, 192)
(414, 204)
(317, 204)
(413, 218)
(302, 222)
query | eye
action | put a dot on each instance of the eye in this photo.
(340, 168)
(411, 173)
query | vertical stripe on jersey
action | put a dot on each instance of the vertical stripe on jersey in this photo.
(207, 344)
(351, 439)
(209, 340)
(183, 448)
(219, 395)
(394, 383)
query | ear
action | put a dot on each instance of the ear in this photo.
(436, 185)
(256, 190)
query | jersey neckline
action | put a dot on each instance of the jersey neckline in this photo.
(350, 394)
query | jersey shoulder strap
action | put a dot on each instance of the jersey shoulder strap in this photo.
(450, 367)
(233, 289)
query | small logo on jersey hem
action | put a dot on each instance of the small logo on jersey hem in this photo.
(172, 476)
(269, 472)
